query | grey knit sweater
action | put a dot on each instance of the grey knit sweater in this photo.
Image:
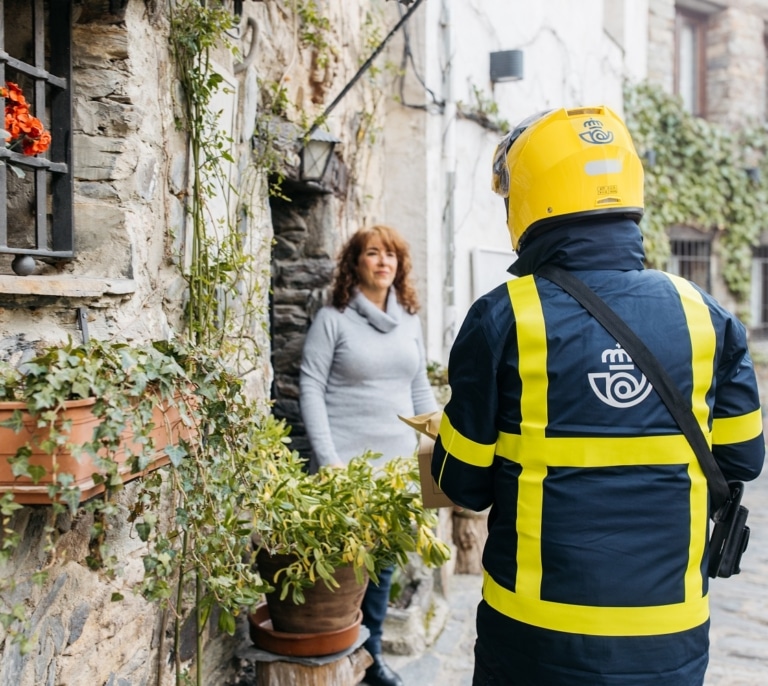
(360, 368)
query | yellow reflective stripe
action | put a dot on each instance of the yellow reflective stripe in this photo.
(532, 365)
(703, 346)
(530, 506)
(532, 353)
(464, 449)
(737, 429)
(537, 452)
(699, 518)
(597, 621)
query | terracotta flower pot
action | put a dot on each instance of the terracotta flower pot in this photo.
(323, 610)
(264, 636)
(168, 428)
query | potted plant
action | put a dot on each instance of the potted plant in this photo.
(78, 419)
(119, 411)
(326, 534)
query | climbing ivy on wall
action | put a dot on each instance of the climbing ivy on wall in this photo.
(696, 175)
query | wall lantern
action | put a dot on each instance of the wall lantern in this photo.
(316, 153)
(506, 65)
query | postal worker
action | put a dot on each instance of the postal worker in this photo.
(596, 559)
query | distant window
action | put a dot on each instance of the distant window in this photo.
(759, 300)
(36, 190)
(691, 260)
(765, 62)
(690, 64)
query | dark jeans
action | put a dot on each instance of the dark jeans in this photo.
(374, 608)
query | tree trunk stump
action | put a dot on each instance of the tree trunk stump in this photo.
(346, 671)
(470, 531)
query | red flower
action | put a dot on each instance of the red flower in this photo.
(32, 146)
(23, 129)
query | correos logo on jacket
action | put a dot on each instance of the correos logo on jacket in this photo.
(623, 385)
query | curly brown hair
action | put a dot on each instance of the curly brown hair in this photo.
(346, 280)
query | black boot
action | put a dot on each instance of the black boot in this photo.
(379, 674)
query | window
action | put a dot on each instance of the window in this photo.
(36, 191)
(690, 64)
(765, 63)
(759, 298)
(690, 259)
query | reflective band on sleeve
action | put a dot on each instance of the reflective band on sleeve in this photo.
(597, 621)
(737, 429)
(464, 449)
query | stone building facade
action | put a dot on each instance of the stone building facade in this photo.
(129, 167)
(727, 62)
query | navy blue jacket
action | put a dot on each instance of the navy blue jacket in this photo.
(595, 563)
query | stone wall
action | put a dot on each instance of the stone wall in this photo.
(661, 43)
(303, 264)
(736, 64)
(131, 180)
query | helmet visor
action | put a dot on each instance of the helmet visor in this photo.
(500, 180)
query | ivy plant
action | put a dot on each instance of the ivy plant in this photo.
(696, 175)
(207, 480)
(314, 31)
(483, 110)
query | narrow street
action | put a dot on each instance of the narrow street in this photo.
(739, 607)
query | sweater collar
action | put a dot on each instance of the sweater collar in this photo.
(378, 319)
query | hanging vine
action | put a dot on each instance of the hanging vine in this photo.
(221, 266)
(696, 175)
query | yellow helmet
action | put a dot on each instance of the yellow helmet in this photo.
(567, 163)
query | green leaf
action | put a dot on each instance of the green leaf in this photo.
(227, 622)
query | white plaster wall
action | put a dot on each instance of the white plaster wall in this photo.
(569, 59)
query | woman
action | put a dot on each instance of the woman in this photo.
(363, 364)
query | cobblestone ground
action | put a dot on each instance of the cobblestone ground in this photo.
(739, 635)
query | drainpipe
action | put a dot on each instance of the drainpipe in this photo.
(449, 165)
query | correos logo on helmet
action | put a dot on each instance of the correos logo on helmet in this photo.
(565, 164)
(595, 133)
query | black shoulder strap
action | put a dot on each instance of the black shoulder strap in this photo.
(653, 370)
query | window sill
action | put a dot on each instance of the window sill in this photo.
(65, 286)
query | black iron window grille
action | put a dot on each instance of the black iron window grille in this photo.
(691, 260)
(36, 219)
